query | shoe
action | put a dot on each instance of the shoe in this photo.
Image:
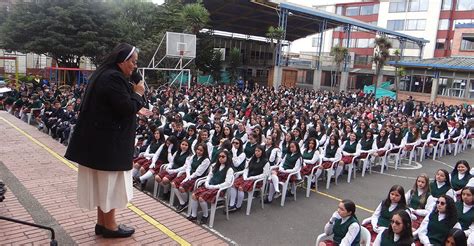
(136, 180)
(232, 209)
(99, 229)
(180, 208)
(277, 194)
(266, 201)
(122, 231)
(143, 185)
(313, 185)
(191, 218)
(204, 220)
(166, 196)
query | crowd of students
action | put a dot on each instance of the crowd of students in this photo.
(233, 137)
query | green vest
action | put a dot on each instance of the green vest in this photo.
(290, 161)
(179, 160)
(340, 230)
(386, 216)
(256, 166)
(415, 200)
(218, 176)
(436, 134)
(249, 149)
(359, 133)
(215, 150)
(241, 166)
(437, 192)
(438, 230)
(424, 135)
(466, 219)
(331, 151)
(366, 144)
(239, 135)
(195, 163)
(268, 153)
(457, 183)
(388, 240)
(350, 148)
(308, 155)
(410, 138)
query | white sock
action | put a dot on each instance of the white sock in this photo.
(194, 207)
(166, 188)
(205, 213)
(318, 173)
(275, 182)
(146, 176)
(293, 188)
(182, 197)
(135, 172)
(233, 196)
(240, 198)
(339, 170)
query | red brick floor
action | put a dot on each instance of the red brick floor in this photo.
(53, 185)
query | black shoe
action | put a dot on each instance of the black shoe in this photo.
(204, 220)
(166, 196)
(232, 209)
(122, 231)
(99, 229)
(143, 185)
(313, 185)
(266, 201)
(180, 208)
(191, 218)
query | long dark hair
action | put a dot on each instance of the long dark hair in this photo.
(188, 151)
(470, 189)
(262, 158)
(401, 191)
(205, 152)
(406, 235)
(350, 206)
(458, 235)
(460, 162)
(451, 212)
(446, 174)
(228, 162)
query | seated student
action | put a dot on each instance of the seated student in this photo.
(435, 227)
(460, 176)
(456, 237)
(159, 158)
(176, 165)
(349, 152)
(465, 211)
(241, 133)
(203, 137)
(256, 168)
(381, 144)
(425, 137)
(285, 144)
(191, 134)
(440, 186)
(195, 167)
(398, 233)
(343, 225)
(310, 157)
(330, 154)
(272, 150)
(223, 144)
(396, 138)
(417, 197)
(454, 135)
(380, 219)
(365, 147)
(436, 136)
(220, 176)
(238, 155)
(410, 141)
(251, 144)
(290, 163)
(320, 135)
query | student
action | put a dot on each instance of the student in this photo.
(436, 136)
(195, 167)
(380, 219)
(365, 148)
(241, 133)
(343, 225)
(285, 144)
(460, 177)
(310, 157)
(396, 139)
(465, 211)
(411, 140)
(417, 197)
(398, 233)
(435, 227)
(176, 165)
(203, 137)
(256, 168)
(146, 157)
(456, 237)
(330, 154)
(272, 150)
(220, 176)
(290, 163)
(249, 148)
(381, 145)
(349, 152)
(440, 186)
(238, 155)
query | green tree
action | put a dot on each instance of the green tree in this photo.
(339, 53)
(382, 53)
(216, 65)
(274, 35)
(194, 17)
(235, 61)
(64, 30)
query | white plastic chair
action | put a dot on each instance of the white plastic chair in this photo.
(365, 162)
(396, 155)
(218, 198)
(309, 178)
(331, 172)
(254, 188)
(422, 149)
(364, 237)
(285, 185)
(157, 187)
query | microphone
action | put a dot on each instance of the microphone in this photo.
(136, 77)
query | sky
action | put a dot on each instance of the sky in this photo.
(158, 1)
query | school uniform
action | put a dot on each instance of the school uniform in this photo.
(459, 180)
(385, 239)
(409, 141)
(176, 164)
(434, 228)
(249, 149)
(381, 218)
(465, 217)
(238, 160)
(196, 167)
(310, 159)
(381, 145)
(145, 158)
(345, 231)
(349, 151)
(417, 200)
(271, 153)
(215, 180)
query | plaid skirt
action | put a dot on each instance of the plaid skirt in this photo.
(330, 243)
(326, 164)
(306, 170)
(208, 195)
(164, 174)
(373, 234)
(363, 155)
(416, 223)
(247, 185)
(409, 147)
(282, 177)
(433, 142)
(347, 159)
(142, 161)
(188, 185)
(154, 170)
(395, 150)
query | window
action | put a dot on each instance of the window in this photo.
(315, 40)
(465, 5)
(440, 44)
(362, 59)
(462, 21)
(362, 43)
(339, 10)
(351, 45)
(395, 25)
(397, 6)
(447, 4)
(443, 24)
(467, 42)
(352, 11)
(417, 5)
(369, 9)
(415, 25)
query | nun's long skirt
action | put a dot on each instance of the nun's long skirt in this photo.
(105, 189)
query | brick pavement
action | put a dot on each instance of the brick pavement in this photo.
(53, 185)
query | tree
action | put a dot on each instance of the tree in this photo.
(382, 53)
(340, 53)
(397, 55)
(216, 65)
(274, 35)
(235, 61)
(64, 30)
(195, 17)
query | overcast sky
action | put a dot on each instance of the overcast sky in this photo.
(158, 1)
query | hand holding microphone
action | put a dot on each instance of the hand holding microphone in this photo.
(138, 83)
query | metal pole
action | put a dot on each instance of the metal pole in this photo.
(348, 34)
(421, 45)
(322, 28)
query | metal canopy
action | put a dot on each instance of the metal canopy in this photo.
(444, 63)
(253, 17)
